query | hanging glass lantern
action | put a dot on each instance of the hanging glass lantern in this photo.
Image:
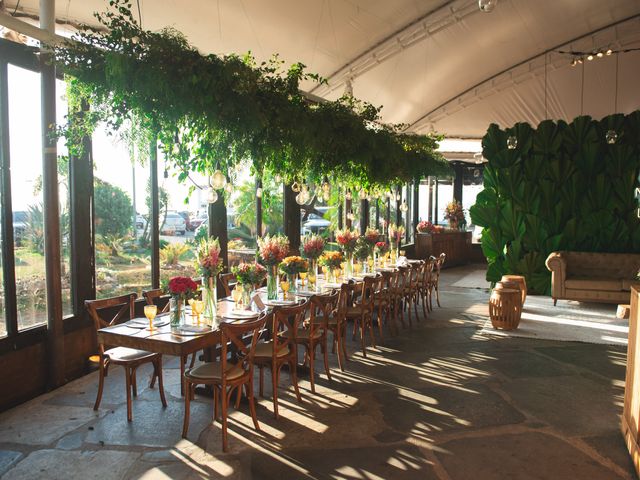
(326, 187)
(278, 178)
(512, 142)
(218, 180)
(611, 137)
(295, 187)
(259, 192)
(487, 6)
(212, 196)
(350, 215)
(326, 196)
(404, 207)
(362, 194)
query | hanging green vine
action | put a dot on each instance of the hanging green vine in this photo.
(209, 109)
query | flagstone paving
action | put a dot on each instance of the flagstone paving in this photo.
(439, 401)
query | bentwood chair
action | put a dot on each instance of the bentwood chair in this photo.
(281, 349)
(435, 286)
(398, 293)
(152, 296)
(361, 312)
(382, 300)
(424, 286)
(129, 358)
(315, 332)
(226, 376)
(336, 323)
(227, 281)
(411, 294)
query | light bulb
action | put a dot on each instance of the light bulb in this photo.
(389, 194)
(228, 187)
(350, 216)
(404, 207)
(212, 196)
(608, 52)
(580, 60)
(259, 192)
(369, 198)
(362, 194)
(278, 178)
(487, 6)
(295, 187)
(325, 185)
(512, 142)
(611, 137)
(590, 57)
(599, 54)
(574, 62)
(348, 195)
(397, 197)
(326, 196)
(218, 180)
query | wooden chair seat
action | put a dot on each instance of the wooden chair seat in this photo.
(213, 371)
(125, 355)
(303, 334)
(319, 320)
(265, 350)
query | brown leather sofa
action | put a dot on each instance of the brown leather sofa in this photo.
(592, 277)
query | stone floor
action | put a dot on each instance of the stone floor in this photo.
(439, 401)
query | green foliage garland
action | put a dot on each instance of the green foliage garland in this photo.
(208, 109)
(564, 187)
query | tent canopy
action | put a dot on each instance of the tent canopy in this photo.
(433, 64)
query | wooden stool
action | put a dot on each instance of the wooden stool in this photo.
(623, 311)
(520, 280)
(505, 308)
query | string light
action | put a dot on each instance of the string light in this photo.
(579, 57)
(218, 179)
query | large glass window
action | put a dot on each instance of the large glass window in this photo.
(26, 195)
(122, 233)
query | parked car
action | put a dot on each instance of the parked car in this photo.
(141, 222)
(174, 223)
(20, 219)
(315, 223)
(196, 221)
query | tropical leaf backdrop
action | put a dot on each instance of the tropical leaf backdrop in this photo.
(564, 187)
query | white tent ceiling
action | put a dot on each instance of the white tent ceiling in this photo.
(432, 64)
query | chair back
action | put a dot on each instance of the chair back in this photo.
(227, 280)
(322, 306)
(403, 277)
(415, 273)
(234, 333)
(287, 319)
(344, 301)
(427, 271)
(439, 263)
(152, 295)
(369, 285)
(126, 311)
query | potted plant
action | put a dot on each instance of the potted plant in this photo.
(454, 213)
(347, 239)
(272, 250)
(249, 277)
(331, 262)
(312, 248)
(292, 266)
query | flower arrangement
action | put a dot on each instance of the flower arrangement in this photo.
(454, 212)
(249, 273)
(331, 260)
(381, 248)
(273, 249)
(426, 227)
(371, 236)
(209, 260)
(396, 233)
(363, 249)
(183, 288)
(347, 239)
(294, 265)
(312, 246)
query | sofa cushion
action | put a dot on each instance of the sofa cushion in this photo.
(593, 283)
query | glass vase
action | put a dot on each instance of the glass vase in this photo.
(313, 274)
(210, 297)
(348, 266)
(293, 282)
(176, 311)
(272, 282)
(246, 295)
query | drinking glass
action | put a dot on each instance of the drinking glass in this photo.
(284, 285)
(190, 302)
(356, 268)
(370, 263)
(236, 295)
(150, 311)
(198, 308)
(403, 253)
(303, 278)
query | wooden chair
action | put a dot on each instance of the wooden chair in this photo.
(336, 323)
(361, 312)
(129, 358)
(151, 296)
(281, 349)
(398, 294)
(225, 376)
(228, 281)
(382, 301)
(316, 332)
(436, 278)
(411, 289)
(424, 286)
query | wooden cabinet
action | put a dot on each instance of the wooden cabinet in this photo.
(456, 245)
(631, 412)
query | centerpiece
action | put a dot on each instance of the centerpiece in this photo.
(312, 248)
(347, 239)
(331, 262)
(181, 289)
(371, 236)
(381, 249)
(209, 265)
(426, 227)
(249, 277)
(362, 252)
(272, 250)
(292, 266)
(454, 213)
(396, 233)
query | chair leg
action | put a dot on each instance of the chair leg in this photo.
(252, 402)
(216, 403)
(183, 360)
(158, 366)
(238, 396)
(438, 295)
(415, 306)
(373, 338)
(127, 377)
(555, 301)
(134, 382)
(275, 374)
(325, 351)
(187, 411)
(293, 366)
(261, 381)
(364, 348)
(380, 312)
(193, 360)
(96, 405)
(337, 339)
(424, 304)
(152, 382)
(343, 342)
(311, 353)
(225, 405)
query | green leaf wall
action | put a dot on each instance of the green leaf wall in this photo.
(562, 188)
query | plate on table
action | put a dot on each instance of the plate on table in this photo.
(144, 323)
(241, 314)
(280, 303)
(189, 330)
(331, 285)
(306, 293)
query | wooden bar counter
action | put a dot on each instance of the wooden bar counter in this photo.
(456, 245)
(631, 412)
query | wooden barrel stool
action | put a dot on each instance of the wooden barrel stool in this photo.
(520, 280)
(505, 308)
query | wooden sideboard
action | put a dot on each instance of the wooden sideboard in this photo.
(631, 412)
(456, 245)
